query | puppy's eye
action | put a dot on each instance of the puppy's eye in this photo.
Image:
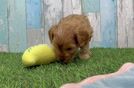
(69, 49)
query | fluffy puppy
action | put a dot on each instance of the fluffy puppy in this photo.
(71, 34)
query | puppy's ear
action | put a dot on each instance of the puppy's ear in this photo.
(82, 37)
(51, 32)
(76, 39)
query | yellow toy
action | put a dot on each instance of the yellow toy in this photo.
(37, 55)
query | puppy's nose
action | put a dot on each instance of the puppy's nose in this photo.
(61, 57)
(66, 55)
(62, 60)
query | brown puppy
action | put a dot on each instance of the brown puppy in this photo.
(70, 34)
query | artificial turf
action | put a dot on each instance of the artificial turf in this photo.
(13, 74)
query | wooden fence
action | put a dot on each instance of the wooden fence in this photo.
(24, 23)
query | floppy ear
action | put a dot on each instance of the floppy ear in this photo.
(51, 32)
(82, 37)
(76, 39)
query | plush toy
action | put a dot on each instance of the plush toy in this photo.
(37, 55)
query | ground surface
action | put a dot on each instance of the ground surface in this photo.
(14, 75)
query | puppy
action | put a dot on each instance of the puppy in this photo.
(71, 34)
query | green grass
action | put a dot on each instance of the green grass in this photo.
(14, 75)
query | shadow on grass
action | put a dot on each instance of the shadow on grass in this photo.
(32, 67)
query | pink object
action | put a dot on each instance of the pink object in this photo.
(93, 79)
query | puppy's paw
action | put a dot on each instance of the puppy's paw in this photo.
(85, 55)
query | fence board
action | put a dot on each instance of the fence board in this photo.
(3, 26)
(125, 23)
(35, 33)
(108, 23)
(76, 4)
(35, 37)
(33, 13)
(67, 7)
(52, 14)
(91, 6)
(71, 7)
(17, 25)
(94, 19)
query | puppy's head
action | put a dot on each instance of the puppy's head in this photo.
(64, 42)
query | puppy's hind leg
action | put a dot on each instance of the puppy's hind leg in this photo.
(85, 53)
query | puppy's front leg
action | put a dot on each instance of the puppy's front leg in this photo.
(85, 53)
